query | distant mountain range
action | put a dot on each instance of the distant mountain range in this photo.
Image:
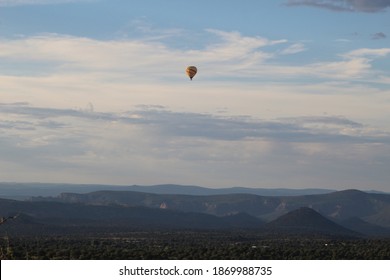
(339, 206)
(342, 213)
(22, 191)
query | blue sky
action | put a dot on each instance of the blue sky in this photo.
(292, 93)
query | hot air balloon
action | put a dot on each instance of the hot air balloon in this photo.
(191, 71)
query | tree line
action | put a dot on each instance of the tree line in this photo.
(192, 246)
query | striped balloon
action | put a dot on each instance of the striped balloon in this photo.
(191, 71)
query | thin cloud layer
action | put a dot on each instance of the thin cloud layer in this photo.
(154, 140)
(369, 6)
(197, 125)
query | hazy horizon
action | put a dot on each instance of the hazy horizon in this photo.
(174, 188)
(288, 94)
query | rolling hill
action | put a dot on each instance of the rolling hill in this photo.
(305, 220)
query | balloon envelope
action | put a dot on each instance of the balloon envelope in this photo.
(191, 71)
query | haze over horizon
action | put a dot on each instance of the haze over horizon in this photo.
(288, 93)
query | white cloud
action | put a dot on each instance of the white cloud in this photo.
(352, 68)
(353, 64)
(365, 52)
(294, 48)
(76, 54)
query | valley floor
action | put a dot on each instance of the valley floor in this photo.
(199, 245)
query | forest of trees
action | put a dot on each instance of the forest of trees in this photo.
(191, 245)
